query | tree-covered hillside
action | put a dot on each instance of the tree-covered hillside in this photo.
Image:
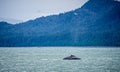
(97, 23)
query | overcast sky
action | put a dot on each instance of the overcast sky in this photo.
(14, 11)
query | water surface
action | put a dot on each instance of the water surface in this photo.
(50, 59)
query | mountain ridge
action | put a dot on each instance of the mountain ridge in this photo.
(97, 23)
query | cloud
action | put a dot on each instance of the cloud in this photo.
(29, 9)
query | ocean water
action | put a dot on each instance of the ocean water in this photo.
(50, 59)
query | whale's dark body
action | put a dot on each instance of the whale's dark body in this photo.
(71, 57)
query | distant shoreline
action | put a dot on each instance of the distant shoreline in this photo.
(82, 47)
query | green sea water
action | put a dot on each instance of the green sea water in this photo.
(50, 59)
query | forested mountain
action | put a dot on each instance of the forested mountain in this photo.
(97, 23)
(4, 25)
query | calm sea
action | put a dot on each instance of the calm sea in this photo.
(50, 59)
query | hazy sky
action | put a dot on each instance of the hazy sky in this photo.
(14, 11)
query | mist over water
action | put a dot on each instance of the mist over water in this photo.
(50, 59)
